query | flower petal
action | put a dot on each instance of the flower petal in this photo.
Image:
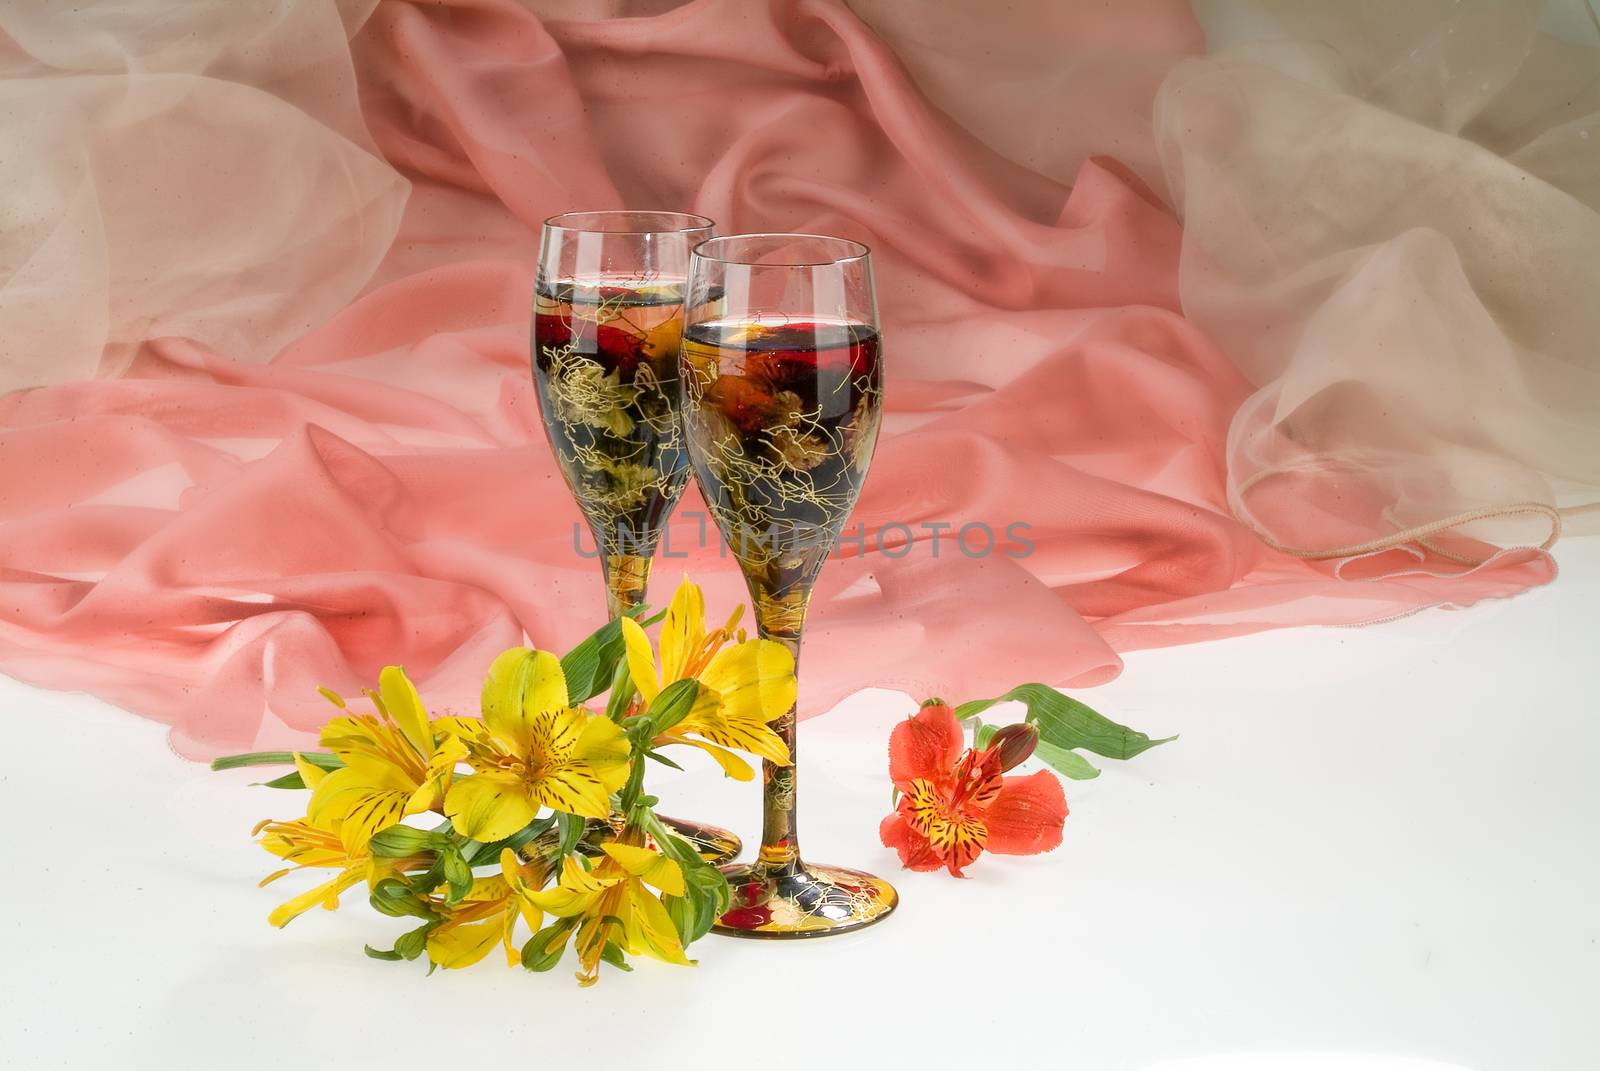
(708, 718)
(925, 745)
(304, 844)
(641, 660)
(326, 894)
(731, 764)
(572, 787)
(589, 942)
(604, 746)
(1027, 816)
(461, 944)
(650, 867)
(523, 879)
(487, 887)
(683, 631)
(649, 929)
(581, 758)
(441, 770)
(489, 807)
(955, 837)
(896, 833)
(461, 728)
(555, 734)
(522, 684)
(365, 796)
(310, 773)
(400, 698)
(508, 936)
(352, 735)
(755, 679)
(577, 889)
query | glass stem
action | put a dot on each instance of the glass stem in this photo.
(627, 576)
(780, 835)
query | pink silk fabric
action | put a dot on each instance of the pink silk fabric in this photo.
(209, 536)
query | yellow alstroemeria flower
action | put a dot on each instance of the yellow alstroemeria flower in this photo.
(532, 750)
(396, 763)
(489, 913)
(614, 906)
(743, 687)
(317, 844)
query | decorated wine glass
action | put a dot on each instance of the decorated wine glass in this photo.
(608, 318)
(782, 386)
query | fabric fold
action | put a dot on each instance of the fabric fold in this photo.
(324, 453)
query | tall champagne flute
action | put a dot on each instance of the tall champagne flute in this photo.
(608, 319)
(782, 386)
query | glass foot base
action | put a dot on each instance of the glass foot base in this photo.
(803, 901)
(715, 844)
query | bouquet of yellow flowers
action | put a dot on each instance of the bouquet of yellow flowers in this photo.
(543, 816)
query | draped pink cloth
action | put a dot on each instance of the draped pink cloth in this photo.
(313, 448)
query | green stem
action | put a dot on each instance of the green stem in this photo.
(628, 799)
(276, 758)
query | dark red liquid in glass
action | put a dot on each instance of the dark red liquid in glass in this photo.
(781, 419)
(605, 364)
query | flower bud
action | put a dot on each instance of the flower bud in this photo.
(1013, 744)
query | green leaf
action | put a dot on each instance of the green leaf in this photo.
(277, 758)
(288, 780)
(388, 954)
(613, 955)
(532, 831)
(483, 854)
(714, 884)
(662, 759)
(1064, 762)
(590, 666)
(706, 892)
(457, 875)
(569, 828)
(1066, 723)
(397, 841)
(685, 915)
(706, 910)
(982, 734)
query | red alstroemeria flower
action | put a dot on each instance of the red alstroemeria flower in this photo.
(955, 802)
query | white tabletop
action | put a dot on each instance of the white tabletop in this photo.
(1377, 844)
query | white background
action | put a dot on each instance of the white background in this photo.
(1369, 841)
(1371, 850)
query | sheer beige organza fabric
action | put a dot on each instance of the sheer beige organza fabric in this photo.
(1390, 225)
(197, 170)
